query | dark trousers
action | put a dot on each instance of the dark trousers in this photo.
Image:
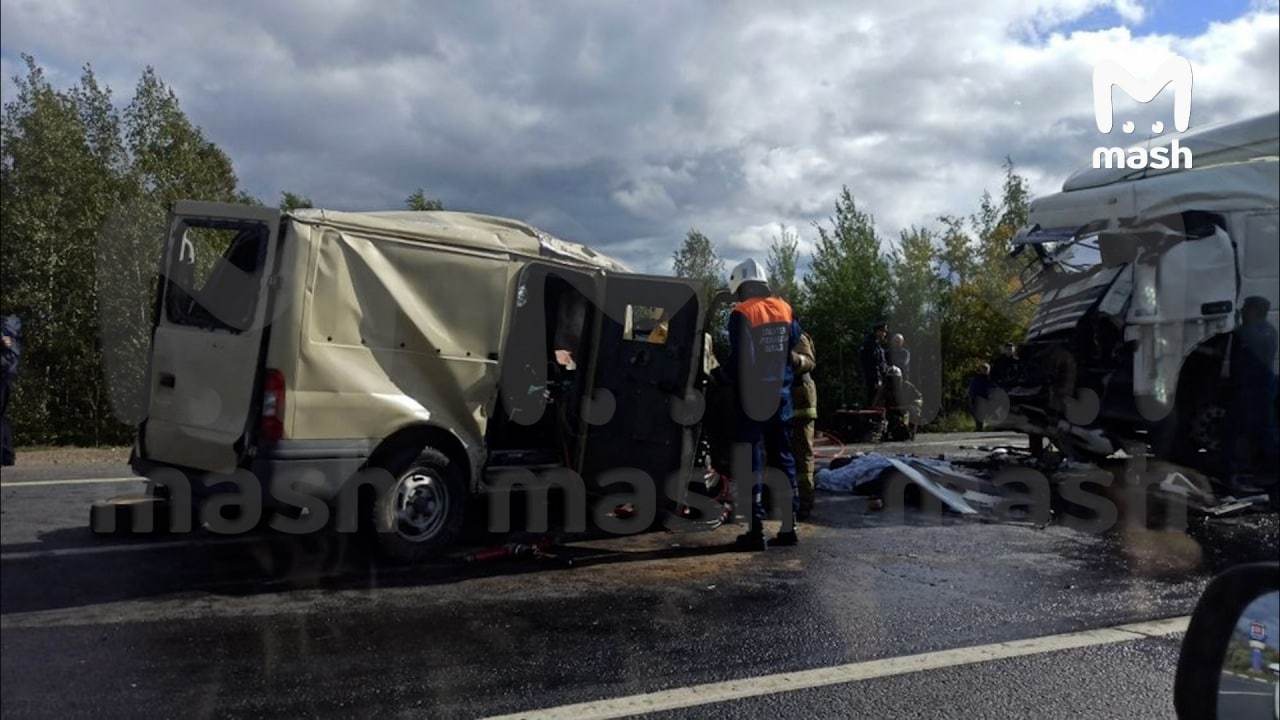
(768, 439)
(1250, 422)
(873, 393)
(6, 433)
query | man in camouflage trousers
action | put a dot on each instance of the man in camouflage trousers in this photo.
(804, 399)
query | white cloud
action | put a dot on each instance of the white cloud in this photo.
(646, 198)
(1131, 11)
(624, 125)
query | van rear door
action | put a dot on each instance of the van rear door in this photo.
(650, 346)
(207, 345)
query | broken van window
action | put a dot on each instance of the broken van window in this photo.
(645, 323)
(214, 274)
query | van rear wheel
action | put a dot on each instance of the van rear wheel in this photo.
(424, 512)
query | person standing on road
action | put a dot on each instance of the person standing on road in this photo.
(762, 334)
(1004, 368)
(874, 360)
(804, 414)
(979, 395)
(899, 355)
(10, 353)
(1251, 418)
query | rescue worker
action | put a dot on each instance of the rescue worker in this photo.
(762, 334)
(1251, 419)
(804, 414)
(874, 360)
(902, 403)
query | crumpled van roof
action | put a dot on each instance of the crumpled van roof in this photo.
(470, 230)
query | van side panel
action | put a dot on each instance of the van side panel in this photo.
(285, 333)
(396, 332)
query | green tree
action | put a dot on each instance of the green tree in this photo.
(61, 155)
(292, 201)
(169, 156)
(977, 317)
(847, 291)
(418, 200)
(83, 194)
(918, 291)
(956, 254)
(784, 254)
(697, 259)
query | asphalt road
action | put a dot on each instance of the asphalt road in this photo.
(870, 616)
(1246, 698)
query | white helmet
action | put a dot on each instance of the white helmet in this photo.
(748, 270)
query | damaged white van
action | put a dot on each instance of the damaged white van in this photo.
(1140, 277)
(442, 347)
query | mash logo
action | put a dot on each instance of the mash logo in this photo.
(1175, 71)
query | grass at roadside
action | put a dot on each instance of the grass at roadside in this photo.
(33, 455)
(954, 421)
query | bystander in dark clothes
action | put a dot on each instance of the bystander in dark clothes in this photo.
(874, 360)
(10, 354)
(980, 387)
(1004, 368)
(1250, 439)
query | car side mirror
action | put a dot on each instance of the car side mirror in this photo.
(1229, 665)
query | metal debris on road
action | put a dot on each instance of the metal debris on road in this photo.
(865, 475)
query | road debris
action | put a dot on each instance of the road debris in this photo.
(966, 486)
(962, 493)
(539, 549)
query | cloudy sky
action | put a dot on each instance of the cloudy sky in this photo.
(624, 124)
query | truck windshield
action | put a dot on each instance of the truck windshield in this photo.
(1075, 256)
(214, 275)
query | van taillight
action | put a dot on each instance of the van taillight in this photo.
(272, 428)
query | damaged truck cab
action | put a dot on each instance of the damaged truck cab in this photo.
(1140, 277)
(444, 348)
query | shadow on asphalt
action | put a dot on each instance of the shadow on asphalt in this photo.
(74, 568)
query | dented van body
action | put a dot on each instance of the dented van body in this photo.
(304, 346)
(1139, 278)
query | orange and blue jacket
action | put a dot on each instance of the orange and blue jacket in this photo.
(762, 333)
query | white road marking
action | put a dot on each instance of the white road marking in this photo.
(72, 481)
(853, 672)
(139, 546)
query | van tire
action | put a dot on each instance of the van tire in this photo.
(425, 512)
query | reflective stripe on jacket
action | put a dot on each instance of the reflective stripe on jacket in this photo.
(804, 392)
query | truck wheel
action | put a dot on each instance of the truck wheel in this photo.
(425, 510)
(1192, 435)
(1206, 428)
